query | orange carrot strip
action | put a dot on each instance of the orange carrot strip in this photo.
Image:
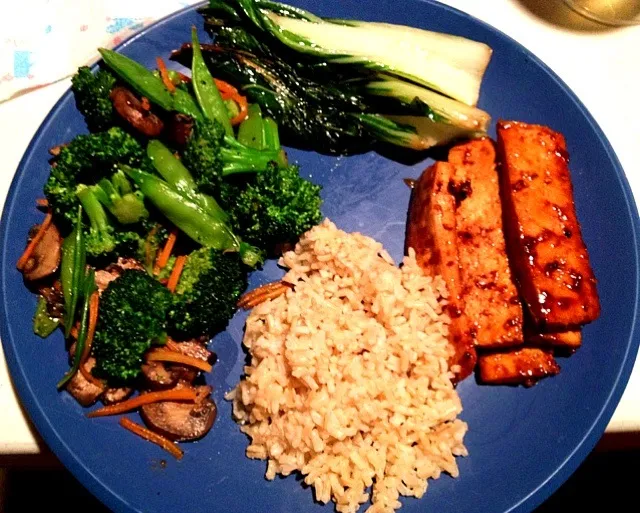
(94, 304)
(22, 261)
(164, 74)
(264, 297)
(262, 291)
(90, 377)
(225, 87)
(173, 346)
(152, 437)
(163, 258)
(244, 110)
(227, 91)
(176, 272)
(180, 394)
(167, 355)
(42, 202)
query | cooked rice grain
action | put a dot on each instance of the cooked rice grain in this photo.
(349, 382)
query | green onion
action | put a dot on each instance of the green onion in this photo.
(205, 88)
(74, 259)
(88, 287)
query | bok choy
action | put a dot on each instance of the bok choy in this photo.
(343, 85)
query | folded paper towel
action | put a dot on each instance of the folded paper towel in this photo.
(44, 41)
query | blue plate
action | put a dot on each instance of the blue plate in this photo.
(523, 443)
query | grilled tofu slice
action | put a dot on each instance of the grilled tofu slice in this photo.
(431, 232)
(491, 300)
(568, 341)
(544, 238)
(524, 366)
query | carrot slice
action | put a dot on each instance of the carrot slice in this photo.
(180, 394)
(42, 202)
(167, 355)
(164, 74)
(22, 261)
(152, 437)
(176, 272)
(163, 258)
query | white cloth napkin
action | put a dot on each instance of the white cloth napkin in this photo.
(44, 41)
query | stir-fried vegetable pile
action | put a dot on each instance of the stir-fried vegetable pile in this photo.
(186, 179)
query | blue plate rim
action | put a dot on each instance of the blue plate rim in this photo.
(116, 501)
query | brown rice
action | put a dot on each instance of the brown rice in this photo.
(349, 382)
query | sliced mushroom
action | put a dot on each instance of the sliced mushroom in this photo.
(105, 276)
(85, 392)
(132, 110)
(162, 375)
(115, 395)
(179, 127)
(195, 349)
(45, 258)
(54, 298)
(182, 421)
(158, 375)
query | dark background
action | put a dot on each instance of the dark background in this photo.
(608, 476)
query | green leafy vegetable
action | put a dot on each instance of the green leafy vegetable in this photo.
(43, 324)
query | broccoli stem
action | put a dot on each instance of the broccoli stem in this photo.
(93, 208)
(117, 195)
(237, 158)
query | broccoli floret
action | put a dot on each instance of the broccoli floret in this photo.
(277, 206)
(102, 240)
(119, 197)
(91, 92)
(87, 159)
(133, 316)
(206, 296)
(211, 155)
